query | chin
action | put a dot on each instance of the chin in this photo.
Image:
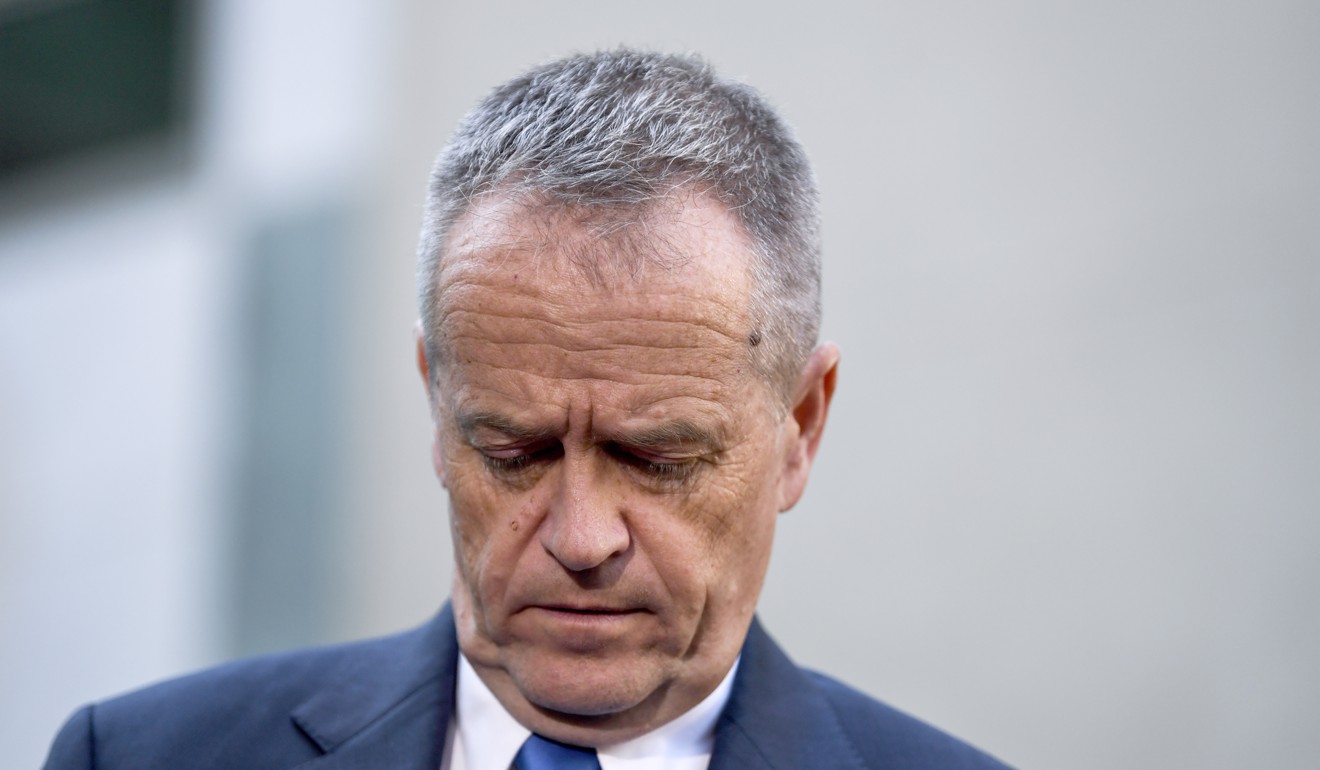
(585, 686)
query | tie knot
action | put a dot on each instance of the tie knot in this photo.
(539, 753)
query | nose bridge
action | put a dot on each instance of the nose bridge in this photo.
(584, 526)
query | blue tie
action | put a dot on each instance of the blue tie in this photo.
(544, 754)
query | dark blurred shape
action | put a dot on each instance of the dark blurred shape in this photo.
(79, 77)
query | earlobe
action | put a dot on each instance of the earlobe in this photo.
(808, 413)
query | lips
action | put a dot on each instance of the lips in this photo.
(579, 630)
(571, 611)
(587, 611)
(596, 617)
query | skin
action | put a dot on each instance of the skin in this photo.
(614, 465)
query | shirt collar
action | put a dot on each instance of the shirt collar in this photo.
(488, 738)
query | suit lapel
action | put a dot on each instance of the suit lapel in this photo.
(390, 708)
(776, 717)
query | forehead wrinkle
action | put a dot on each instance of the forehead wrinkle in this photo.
(644, 393)
(544, 294)
(607, 374)
(587, 344)
(485, 321)
(558, 315)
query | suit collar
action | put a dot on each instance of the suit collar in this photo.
(776, 717)
(388, 705)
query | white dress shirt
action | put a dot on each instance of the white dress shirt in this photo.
(482, 735)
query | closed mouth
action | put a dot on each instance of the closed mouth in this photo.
(589, 610)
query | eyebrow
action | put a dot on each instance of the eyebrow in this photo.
(679, 433)
(471, 423)
(675, 433)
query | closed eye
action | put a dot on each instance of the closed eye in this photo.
(512, 460)
(654, 466)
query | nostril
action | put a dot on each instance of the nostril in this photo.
(584, 548)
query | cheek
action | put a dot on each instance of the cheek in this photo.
(743, 550)
(488, 528)
(719, 543)
(744, 532)
(735, 503)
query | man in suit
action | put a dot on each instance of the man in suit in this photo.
(619, 281)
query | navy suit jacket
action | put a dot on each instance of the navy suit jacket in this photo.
(386, 705)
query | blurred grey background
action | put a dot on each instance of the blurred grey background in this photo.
(1066, 508)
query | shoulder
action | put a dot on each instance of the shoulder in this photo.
(277, 682)
(232, 707)
(239, 690)
(781, 715)
(884, 735)
(244, 713)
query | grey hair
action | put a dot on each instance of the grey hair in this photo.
(625, 128)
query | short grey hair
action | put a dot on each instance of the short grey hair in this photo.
(628, 128)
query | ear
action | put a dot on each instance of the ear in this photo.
(424, 368)
(810, 408)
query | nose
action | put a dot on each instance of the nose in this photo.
(584, 527)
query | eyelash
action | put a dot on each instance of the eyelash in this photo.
(506, 464)
(660, 471)
(515, 463)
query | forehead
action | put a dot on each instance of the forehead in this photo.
(683, 235)
(535, 301)
(682, 259)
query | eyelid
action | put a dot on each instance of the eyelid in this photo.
(517, 457)
(509, 445)
(505, 453)
(651, 455)
(655, 466)
(496, 436)
(520, 451)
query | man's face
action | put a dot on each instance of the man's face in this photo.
(614, 464)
